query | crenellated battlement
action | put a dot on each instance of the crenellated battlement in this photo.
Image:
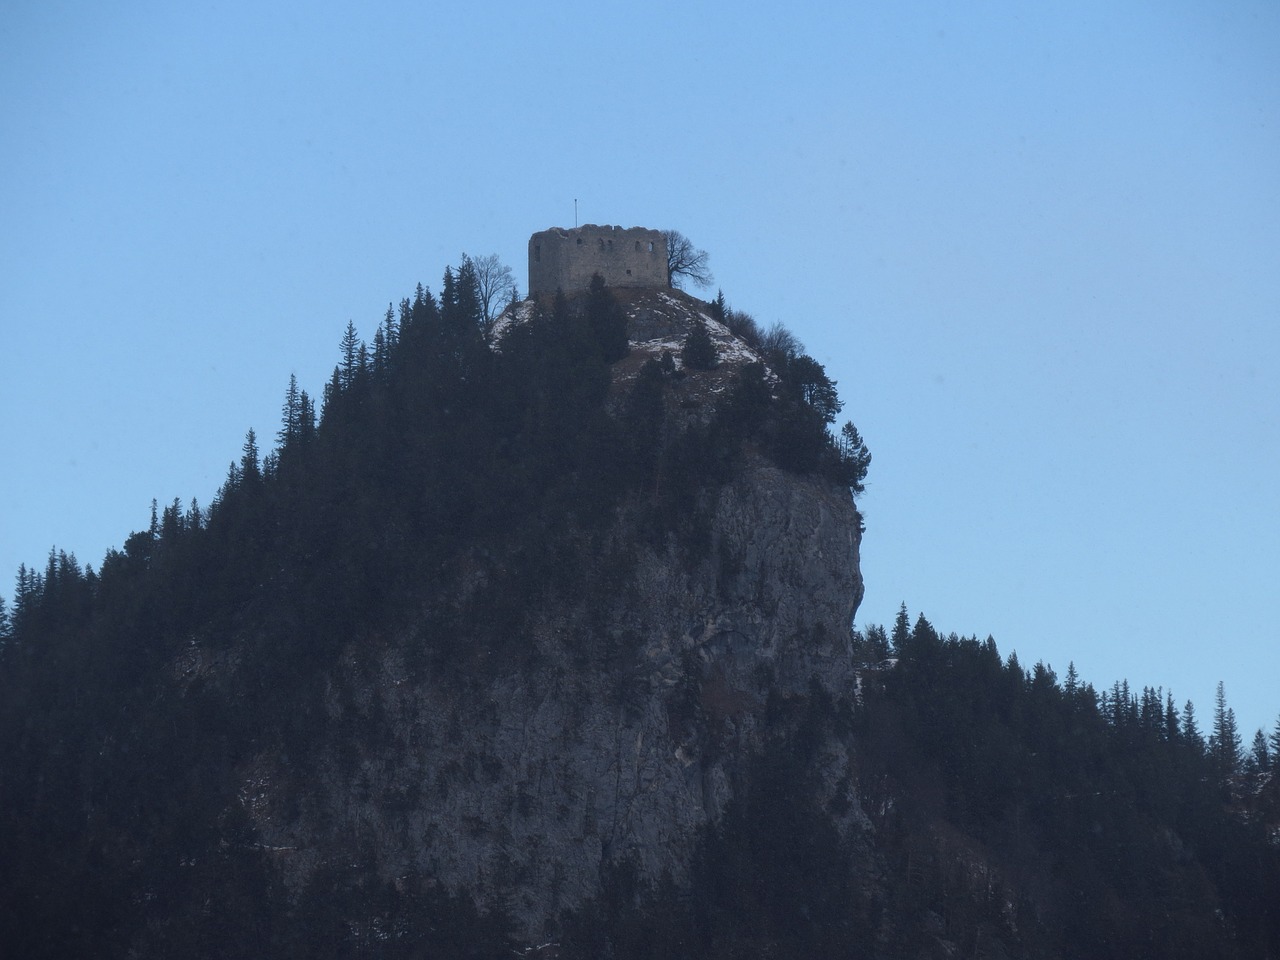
(566, 258)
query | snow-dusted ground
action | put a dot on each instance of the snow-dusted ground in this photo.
(729, 348)
(523, 311)
(657, 323)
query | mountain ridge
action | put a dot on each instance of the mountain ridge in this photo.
(545, 641)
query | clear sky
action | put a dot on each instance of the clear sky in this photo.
(1037, 245)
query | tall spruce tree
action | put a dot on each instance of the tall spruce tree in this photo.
(250, 464)
(290, 414)
(901, 636)
(1190, 728)
(1224, 742)
(350, 347)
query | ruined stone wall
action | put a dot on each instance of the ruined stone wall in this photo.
(565, 259)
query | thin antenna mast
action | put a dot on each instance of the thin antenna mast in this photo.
(575, 212)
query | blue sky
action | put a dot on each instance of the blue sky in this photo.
(1038, 247)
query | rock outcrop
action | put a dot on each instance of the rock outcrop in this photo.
(620, 734)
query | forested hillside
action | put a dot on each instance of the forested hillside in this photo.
(535, 637)
(447, 485)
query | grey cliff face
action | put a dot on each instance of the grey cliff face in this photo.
(631, 715)
(521, 787)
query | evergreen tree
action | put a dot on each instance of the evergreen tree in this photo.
(1171, 719)
(26, 595)
(809, 380)
(717, 308)
(250, 465)
(901, 635)
(607, 322)
(855, 458)
(876, 643)
(1190, 729)
(171, 526)
(390, 328)
(699, 351)
(460, 308)
(380, 354)
(350, 347)
(362, 366)
(306, 418)
(1224, 742)
(290, 414)
(1259, 753)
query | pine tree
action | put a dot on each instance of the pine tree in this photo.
(460, 308)
(877, 643)
(362, 366)
(290, 414)
(250, 465)
(1259, 753)
(718, 309)
(1151, 710)
(901, 635)
(699, 352)
(350, 347)
(855, 458)
(1171, 718)
(808, 378)
(332, 391)
(1224, 743)
(390, 329)
(306, 418)
(171, 525)
(1190, 730)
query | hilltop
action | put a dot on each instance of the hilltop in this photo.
(538, 639)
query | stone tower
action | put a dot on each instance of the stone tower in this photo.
(563, 258)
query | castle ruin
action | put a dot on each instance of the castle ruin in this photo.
(565, 259)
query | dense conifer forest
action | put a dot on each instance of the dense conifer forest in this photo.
(1011, 812)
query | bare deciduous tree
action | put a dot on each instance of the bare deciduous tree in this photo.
(685, 261)
(779, 344)
(495, 286)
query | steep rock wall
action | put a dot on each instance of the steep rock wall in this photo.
(521, 786)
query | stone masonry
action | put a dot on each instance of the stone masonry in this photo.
(565, 259)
